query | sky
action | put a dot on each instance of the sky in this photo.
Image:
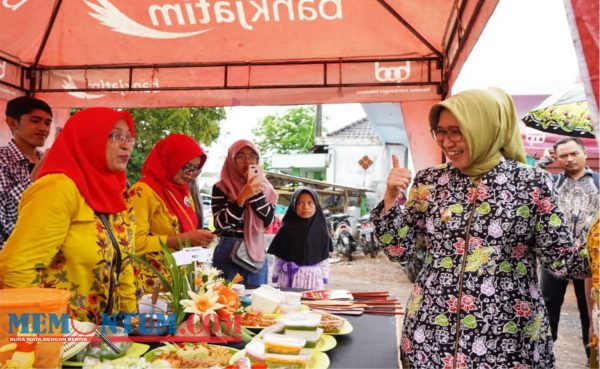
(526, 48)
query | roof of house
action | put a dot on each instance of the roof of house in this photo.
(362, 128)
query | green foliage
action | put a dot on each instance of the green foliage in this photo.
(288, 133)
(153, 124)
(178, 282)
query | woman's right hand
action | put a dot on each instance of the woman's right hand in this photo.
(198, 237)
(397, 182)
(253, 187)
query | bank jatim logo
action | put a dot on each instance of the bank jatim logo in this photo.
(392, 73)
(163, 19)
(102, 84)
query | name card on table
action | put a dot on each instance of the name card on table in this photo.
(190, 255)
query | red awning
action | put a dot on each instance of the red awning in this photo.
(155, 53)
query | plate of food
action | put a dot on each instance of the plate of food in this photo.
(326, 342)
(334, 325)
(192, 355)
(346, 328)
(257, 320)
(134, 350)
(318, 360)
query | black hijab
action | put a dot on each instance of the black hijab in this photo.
(303, 241)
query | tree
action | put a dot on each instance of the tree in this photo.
(153, 124)
(289, 133)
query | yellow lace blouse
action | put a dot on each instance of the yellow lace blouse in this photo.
(154, 224)
(59, 242)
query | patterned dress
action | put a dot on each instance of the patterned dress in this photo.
(63, 244)
(154, 223)
(476, 303)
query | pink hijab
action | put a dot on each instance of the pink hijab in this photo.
(231, 184)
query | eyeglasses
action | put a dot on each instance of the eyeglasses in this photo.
(121, 138)
(247, 158)
(191, 169)
(454, 135)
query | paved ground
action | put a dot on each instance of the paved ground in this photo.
(365, 273)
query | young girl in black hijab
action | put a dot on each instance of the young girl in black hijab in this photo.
(302, 245)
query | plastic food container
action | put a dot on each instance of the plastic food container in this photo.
(41, 309)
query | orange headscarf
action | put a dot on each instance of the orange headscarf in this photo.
(162, 164)
(79, 152)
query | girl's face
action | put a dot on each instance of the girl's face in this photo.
(242, 159)
(305, 206)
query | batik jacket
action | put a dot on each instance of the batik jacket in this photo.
(476, 303)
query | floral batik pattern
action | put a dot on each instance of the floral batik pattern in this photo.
(92, 294)
(476, 303)
(145, 278)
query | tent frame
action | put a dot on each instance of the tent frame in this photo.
(457, 37)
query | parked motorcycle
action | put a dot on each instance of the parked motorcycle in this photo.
(343, 240)
(366, 238)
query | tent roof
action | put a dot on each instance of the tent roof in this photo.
(154, 53)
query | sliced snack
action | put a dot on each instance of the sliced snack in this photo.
(311, 337)
(331, 323)
(287, 361)
(306, 321)
(281, 344)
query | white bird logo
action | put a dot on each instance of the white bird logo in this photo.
(70, 84)
(112, 17)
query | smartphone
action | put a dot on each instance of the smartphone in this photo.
(254, 170)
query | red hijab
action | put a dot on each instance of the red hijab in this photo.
(162, 164)
(231, 184)
(79, 152)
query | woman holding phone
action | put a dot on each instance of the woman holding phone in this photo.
(244, 201)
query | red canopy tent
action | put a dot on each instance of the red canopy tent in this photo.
(165, 53)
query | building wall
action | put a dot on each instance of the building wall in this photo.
(344, 169)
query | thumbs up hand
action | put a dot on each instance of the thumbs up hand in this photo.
(397, 181)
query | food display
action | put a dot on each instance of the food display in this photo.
(287, 361)
(257, 319)
(301, 324)
(331, 323)
(294, 340)
(192, 355)
(281, 344)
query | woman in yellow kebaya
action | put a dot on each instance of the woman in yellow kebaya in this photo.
(163, 205)
(60, 240)
(592, 286)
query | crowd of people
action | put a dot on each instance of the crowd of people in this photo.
(97, 221)
(490, 224)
